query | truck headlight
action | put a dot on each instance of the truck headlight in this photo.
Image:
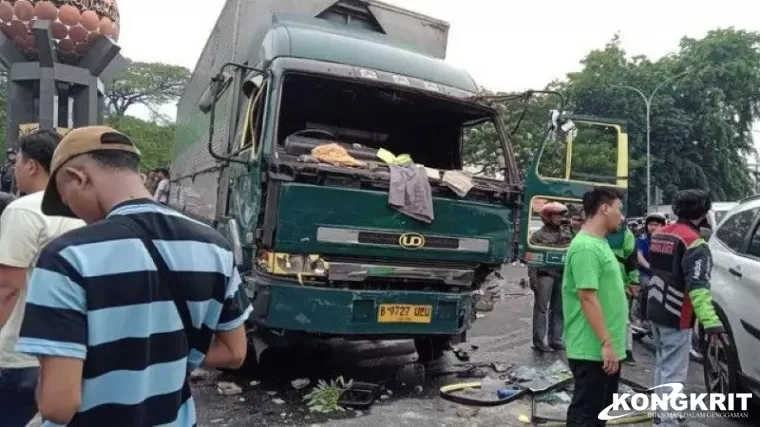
(283, 264)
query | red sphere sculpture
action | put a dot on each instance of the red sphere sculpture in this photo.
(76, 24)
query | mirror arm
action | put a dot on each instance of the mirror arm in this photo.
(212, 113)
(211, 123)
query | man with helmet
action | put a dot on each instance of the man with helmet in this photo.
(546, 282)
(576, 219)
(653, 222)
(680, 263)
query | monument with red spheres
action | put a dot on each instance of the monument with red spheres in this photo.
(58, 54)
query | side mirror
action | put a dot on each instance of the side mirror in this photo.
(219, 84)
(561, 128)
(705, 232)
(501, 161)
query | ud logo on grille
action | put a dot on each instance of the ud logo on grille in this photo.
(411, 240)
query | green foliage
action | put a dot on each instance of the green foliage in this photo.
(324, 397)
(153, 139)
(148, 84)
(151, 85)
(708, 95)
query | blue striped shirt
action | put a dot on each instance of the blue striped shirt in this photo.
(95, 295)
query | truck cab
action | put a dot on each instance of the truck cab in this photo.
(322, 251)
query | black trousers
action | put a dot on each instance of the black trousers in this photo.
(592, 393)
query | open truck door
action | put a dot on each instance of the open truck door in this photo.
(580, 153)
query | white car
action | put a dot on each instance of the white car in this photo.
(718, 212)
(735, 284)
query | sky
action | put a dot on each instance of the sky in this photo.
(506, 45)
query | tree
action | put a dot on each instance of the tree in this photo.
(701, 121)
(153, 139)
(146, 83)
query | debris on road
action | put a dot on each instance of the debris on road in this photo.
(360, 395)
(228, 389)
(300, 383)
(278, 401)
(461, 354)
(541, 380)
(467, 412)
(200, 375)
(500, 367)
(555, 398)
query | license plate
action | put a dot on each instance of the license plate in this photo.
(404, 313)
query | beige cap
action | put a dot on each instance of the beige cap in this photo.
(77, 142)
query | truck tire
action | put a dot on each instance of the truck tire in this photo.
(431, 349)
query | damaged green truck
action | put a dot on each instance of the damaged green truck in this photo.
(323, 252)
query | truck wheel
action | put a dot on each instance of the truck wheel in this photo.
(431, 349)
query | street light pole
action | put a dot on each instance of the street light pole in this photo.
(648, 104)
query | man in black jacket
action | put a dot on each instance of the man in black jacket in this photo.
(6, 171)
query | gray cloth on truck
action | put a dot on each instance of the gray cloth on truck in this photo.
(410, 193)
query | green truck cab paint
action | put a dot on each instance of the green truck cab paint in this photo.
(321, 251)
(557, 174)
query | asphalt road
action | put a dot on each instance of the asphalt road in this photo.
(502, 335)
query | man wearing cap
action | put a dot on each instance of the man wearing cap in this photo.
(116, 340)
(24, 231)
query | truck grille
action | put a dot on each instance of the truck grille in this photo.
(379, 238)
(391, 239)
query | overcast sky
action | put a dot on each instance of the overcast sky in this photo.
(505, 44)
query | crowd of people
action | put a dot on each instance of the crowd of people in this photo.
(107, 297)
(586, 302)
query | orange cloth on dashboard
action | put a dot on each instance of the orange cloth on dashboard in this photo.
(335, 155)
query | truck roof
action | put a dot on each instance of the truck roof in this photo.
(318, 39)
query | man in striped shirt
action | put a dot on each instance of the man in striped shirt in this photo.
(120, 310)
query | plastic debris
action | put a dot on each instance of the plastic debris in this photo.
(523, 374)
(300, 383)
(228, 389)
(555, 398)
(542, 380)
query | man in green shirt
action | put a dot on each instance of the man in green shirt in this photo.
(595, 309)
